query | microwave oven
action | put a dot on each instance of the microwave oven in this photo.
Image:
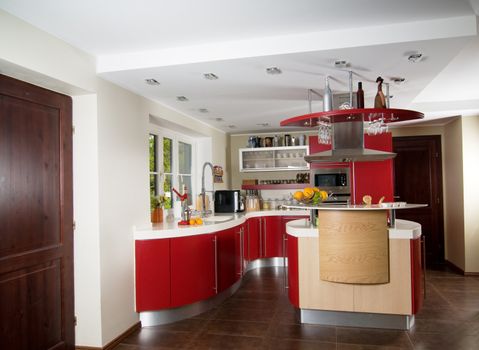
(228, 201)
(335, 181)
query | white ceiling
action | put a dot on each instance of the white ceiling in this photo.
(175, 42)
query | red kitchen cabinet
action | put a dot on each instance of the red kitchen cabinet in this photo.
(152, 265)
(272, 236)
(293, 272)
(374, 178)
(253, 247)
(227, 258)
(193, 270)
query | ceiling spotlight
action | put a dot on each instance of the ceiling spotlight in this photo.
(273, 70)
(152, 81)
(415, 57)
(203, 110)
(182, 98)
(340, 64)
(263, 124)
(398, 80)
(210, 76)
(232, 126)
(219, 119)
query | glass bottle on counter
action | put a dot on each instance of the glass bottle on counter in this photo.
(360, 96)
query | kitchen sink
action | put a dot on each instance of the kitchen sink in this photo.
(218, 218)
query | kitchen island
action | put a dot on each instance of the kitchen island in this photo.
(349, 292)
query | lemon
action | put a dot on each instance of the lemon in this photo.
(324, 195)
(315, 189)
(308, 193)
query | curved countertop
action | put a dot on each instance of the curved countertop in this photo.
(403, 229)
(382, 206)
(218, 222)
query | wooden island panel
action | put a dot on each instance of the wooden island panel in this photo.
(354, 246)
(395, 296)
(313, 292)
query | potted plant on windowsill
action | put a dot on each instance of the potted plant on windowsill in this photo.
(156, 205)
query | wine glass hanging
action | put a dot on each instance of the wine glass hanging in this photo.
(324, 131)
(377, 125)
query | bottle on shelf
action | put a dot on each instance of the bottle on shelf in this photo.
(360, 96)
(327, 97)
(380, 100)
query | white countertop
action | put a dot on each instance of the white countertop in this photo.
(383, 206)
(404, 229)
(172, 229)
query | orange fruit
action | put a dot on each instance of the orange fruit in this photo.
(192, 221)
(308, 193)
(199, 221)
(298, 195)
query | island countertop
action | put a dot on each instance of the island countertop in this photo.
(403, 229)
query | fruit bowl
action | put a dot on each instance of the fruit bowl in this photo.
(310, 196)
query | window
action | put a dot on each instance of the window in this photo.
(171, 165)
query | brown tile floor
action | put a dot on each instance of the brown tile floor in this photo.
(259, 316)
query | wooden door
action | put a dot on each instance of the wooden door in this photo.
(36, 218)
(418, 179)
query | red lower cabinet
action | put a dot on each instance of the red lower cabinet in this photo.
(416, 275)
(272, 236)
(293, 272)
(226, 258)
(152, 263)
(253, 247)
(193, 276)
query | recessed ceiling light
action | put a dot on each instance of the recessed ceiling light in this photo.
(182, 98)
(273, 70)
(232, 126)
(415, 57)
(203, 110)
(263, 124)
(152, 81)
(340, 64)
(398, 80)
(210, 76)
(219, 119)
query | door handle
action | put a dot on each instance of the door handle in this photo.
(215, 243)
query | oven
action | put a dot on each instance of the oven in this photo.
(335, 181)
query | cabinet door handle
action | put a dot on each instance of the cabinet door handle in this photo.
(265, 235)
(215, 242)
(285, 270)
(240, 233)
(260, 237)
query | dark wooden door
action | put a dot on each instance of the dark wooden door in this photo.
(418, 179)
(36, 218)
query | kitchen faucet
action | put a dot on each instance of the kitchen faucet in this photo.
(204, 212)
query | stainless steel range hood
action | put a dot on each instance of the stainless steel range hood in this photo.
(348, 145)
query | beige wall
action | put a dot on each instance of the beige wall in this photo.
(110, 155)
(241, 141)
(453, 206)
(470, 146)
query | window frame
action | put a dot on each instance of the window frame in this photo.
(176, 138)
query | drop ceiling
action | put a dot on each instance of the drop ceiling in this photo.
(176, 43)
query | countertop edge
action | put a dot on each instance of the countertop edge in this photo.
(404, 229)
(173, 230)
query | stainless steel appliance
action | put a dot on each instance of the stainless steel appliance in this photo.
(335, 181)
(228, 201)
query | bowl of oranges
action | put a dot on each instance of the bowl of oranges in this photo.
(310, 196)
